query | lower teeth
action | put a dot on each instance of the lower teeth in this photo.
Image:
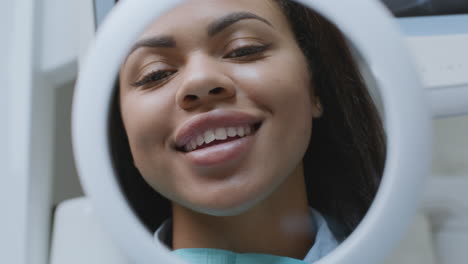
(216, 142)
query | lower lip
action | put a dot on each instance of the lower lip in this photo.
(221, 153)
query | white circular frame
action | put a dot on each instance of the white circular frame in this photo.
(367, 24)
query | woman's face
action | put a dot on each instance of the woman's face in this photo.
(217, 103)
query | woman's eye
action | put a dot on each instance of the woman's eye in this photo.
(246, 51)
(154, 77)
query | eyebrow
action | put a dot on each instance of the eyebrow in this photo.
(154, 42)
(221, 23)
(213, 28)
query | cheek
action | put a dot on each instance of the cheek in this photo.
(282, 88)
(146, 122)
(285, 91)
(280, 84)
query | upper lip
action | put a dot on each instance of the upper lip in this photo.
(211, 120)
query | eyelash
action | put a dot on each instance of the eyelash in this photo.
(246, 51)
(161, 75)
(155, 76)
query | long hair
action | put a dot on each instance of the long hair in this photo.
(344, 161)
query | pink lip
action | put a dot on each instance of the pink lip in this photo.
(221, 154)
(211, 120)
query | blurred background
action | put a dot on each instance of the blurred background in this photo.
(411, 8)
(44, 217)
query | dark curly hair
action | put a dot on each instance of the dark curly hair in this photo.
(344, 162)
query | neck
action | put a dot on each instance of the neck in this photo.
(279, 225)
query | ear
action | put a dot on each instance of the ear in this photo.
(317, 108)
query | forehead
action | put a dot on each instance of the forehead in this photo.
(194, 15)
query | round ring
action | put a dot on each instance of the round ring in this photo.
(373, 32)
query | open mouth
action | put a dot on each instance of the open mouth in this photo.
(216, 136)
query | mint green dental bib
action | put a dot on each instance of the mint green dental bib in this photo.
(325, 242)
(219, 256)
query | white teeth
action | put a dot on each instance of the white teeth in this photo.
(188, 148)
(209, 136)
(200, 140)
(217, 134)
(240, 131)
(193, 143)
(231, 132)
(221, 133)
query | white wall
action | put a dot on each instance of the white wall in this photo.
(38, 52)
(5, 31)
(451, 147)
(7, 221)
(65, 177)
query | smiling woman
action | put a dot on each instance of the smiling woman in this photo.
(246, 127)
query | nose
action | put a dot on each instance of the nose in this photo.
(205, 84)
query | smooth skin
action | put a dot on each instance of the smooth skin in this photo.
(257, 201)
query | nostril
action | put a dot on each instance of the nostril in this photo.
(190, 98)
(216, 90)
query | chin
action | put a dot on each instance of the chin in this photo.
(226, 207)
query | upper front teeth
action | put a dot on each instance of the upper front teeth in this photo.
(221, 133)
